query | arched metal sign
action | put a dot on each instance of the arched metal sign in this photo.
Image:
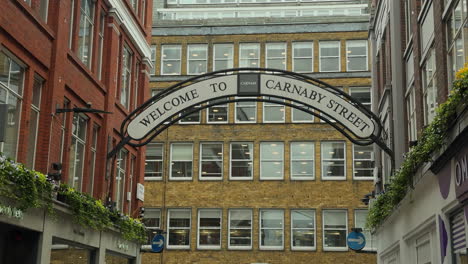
(337, 108)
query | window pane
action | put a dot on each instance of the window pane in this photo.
(223, 56)
(249, 55)
(170, 60)
(242, 151)
(211, 160)
(179, 228)
(154, 160)
(246, 111)
(197, 59)
(182, 152)
(335, 228)
(271, 225)
(209, 228)
(333, 150)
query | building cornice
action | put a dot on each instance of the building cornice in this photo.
(130, 26)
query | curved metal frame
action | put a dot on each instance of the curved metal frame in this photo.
(374, 138)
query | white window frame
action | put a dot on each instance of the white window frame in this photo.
(153, 178)
(226, 105)
(325, 248)
(251, 161)
(92, 167)
(260, 228)
(295, 57)
(359, 160)
(88, 20)
(429, 114)
(229, 59)
(231, 247)
(339, 55)
(370, 242)
(168, 245)
(126, 83)
(220, 228)
(369, 105)
(312, 159)
(37, 110)
(299, 248)
(153, 229)
(182, 121)
(283, 57)
(423, 240)
(349, 55)
(274, 105)
(120, 179)
(171, 161)
(101, 36)
(153, 59)
(254, 105)
(205, 46)
(411, 112)
(332, 178)
(81, 141)
(18, 95)
(294, 110)
(262, 159)
(241, 45)
(163, 47)
(201, 177)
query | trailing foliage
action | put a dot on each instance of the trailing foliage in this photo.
(431, 140)
(31, 189)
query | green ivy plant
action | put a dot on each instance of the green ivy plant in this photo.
(31, 189)
(431, 140)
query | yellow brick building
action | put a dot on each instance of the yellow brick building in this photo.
(257, 182)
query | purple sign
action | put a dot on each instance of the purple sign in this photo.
(461, 173)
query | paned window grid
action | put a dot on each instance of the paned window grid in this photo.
(197, 57)
(211, 161)
(246, 112)
(170, 59)
(303, 235)
(182, 165)
(154, 161)
(92, 166)
(240, 229)
(332, 55)
(363, 162)
(333, 161)
(302, 160)
(299, 116)
(85, 43)
(179, 222)
(303, 56)
(423, 250)
(334, 232)
(271, 235)
(356, 55)
(429, 86)
(125, 87)
(152, 221)
(77, 151)
(209, 228)
(193, 118)
(120, 178)
(273, 112)
(276, 55)
(271, 160)
(223, 55)
(249, 55)
(153, 59)
(11, 93)
(34, 121)
(245, 160)
(363, 95)
(360, 216)
(217, 114)
(102, 25)
(411, 106)
(456, 39)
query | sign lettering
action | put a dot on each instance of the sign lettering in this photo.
(252, 84)
(461, 171)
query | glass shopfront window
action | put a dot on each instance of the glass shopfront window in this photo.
(67, 252)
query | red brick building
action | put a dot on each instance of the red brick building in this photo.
(75, 54)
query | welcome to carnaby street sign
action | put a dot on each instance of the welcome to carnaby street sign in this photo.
(337, 108)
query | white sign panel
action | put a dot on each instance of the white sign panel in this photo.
(174, 103)
(140, 192)
(307, 93)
